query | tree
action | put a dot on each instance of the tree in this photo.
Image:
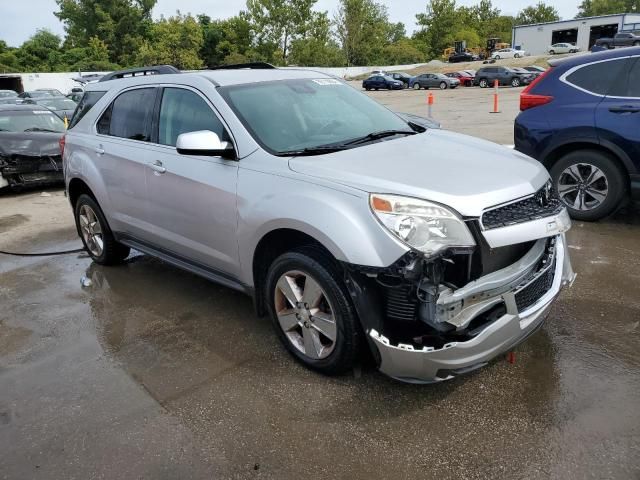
(318, 47)
(225, 41)
(40, 53)
(121, 24)
(403, 52)
(438, 24)
(276, 23)
(539, 13)
(363, 30)
(592, 8)
(175, 41)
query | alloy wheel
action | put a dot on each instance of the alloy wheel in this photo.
(305, 314)
(443, 86)
(583, 186)
(91, 230)
(416, 86)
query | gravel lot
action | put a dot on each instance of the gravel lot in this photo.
(154, 373)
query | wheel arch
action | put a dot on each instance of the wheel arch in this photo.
(558, 151)
(273, 244)
(77, 187)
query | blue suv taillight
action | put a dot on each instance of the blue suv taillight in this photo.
(531, 100)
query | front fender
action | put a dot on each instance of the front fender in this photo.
(340, 221)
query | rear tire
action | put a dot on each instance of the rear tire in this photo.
(576, 168)
(515, 82)
(552, 52)
(516, 55)
(605, 45)
(294, 270)
(416, 86)
(95, 233)
(497, 57)
(636, 44)
(483, 83)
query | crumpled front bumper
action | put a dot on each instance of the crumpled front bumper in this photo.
(429, 365)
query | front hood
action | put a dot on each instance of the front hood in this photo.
(465, 173)
(32, 144)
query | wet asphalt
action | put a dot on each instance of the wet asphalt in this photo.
(155, 373)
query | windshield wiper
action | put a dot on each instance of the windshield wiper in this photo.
(311, 151)
(378, 135)
(38, 129)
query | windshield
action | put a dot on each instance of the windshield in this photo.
(296, 114)
(30, 121)
(39, 94)
(58, 103)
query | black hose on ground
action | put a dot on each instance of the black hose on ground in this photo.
(44, 254)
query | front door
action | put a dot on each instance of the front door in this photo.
(192, 199)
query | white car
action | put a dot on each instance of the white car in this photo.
(508, 53)
(562, 48)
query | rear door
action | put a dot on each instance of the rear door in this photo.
(192, 199)
(618, 115)
(121, 150)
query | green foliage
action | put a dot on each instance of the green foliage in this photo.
(438, 24)
(174, 41)
(317, 47)
(364, 31)
(277, 23)
(226, 41)
(539, 13)
(123, 25)
(591, 8)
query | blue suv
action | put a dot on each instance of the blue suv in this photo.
(581, 119)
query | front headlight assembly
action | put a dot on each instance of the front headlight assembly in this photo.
(424, 226)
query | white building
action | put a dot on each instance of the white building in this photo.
(583, 32)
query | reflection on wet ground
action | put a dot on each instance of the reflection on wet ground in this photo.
(153, 372)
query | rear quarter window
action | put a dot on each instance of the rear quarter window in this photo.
(599, 77)
(89, 99)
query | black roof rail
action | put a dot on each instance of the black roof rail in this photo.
(240, 66)
(141, 71)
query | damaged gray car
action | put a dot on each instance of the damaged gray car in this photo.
(29, 146)
(351, 226)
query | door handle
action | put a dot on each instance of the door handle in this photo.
(99, 150)
(157, 167)
(624, 109)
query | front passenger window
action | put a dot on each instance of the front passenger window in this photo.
(184, 111)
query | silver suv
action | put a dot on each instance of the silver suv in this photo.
(350, 226)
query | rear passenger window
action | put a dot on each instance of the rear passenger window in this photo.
(129, 116)
(184, 111)
(89, 99)
(598, 77)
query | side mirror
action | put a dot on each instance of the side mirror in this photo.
(204, 142)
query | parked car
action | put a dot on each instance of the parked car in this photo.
(29, 149)
(338, 216)
(433, 80)
(558, 48)
(486, 76)
(464, 78)
(377, 82)
(34, 94)
(405, 78)
(526, 73)
(8, 97)
(472, 73)
(54, 92)
(619, 40)
(535, 69)
(61, 106)
(75, 96)
(507, 53)
(581, 119)
(462, 57)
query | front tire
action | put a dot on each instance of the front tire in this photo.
(552, 52)
(636, 44)
(443, 85)
(483, 83)
(416, 86)
(515, 82)
(589, 183)
(497, 57)
(517, 55)
(311, 310)
(95, 233)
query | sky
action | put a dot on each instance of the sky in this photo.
(18, 23)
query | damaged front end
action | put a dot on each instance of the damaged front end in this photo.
(30, 160)
(430, 319)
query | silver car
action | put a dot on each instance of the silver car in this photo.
(433, 80)
(350, 226)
